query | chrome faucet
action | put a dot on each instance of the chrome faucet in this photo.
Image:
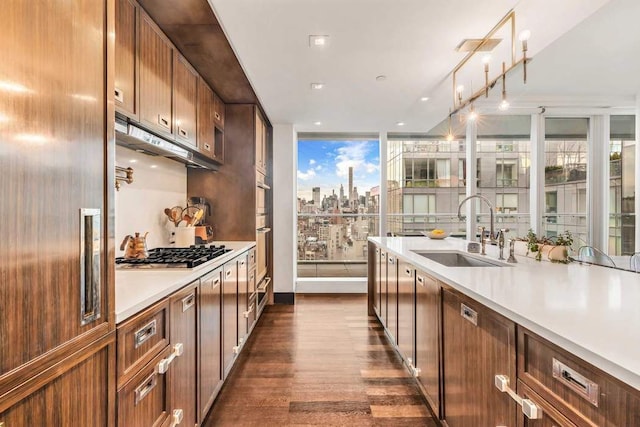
(492, 237)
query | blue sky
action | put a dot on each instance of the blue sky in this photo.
(325, 164)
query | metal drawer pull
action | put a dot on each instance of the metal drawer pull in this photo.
(216, 282)
(143, 334)
(143, 389)
(163, 365)
(218, 117)
(586, 388)
(183, 133)
(265, 285)
(242, 263)
(207, 147)
(236, 349)
(119, 95)
(391, 261)
(228, 273)
(469, 314)
(247, 313)
(177, 415)
(188, 302)
(420, 280)
(90, 274)
(263, 230)
(407, 271)
(529, 408)
(262, 185)
(162, 121)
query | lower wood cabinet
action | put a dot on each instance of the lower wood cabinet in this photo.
(209, 328)
(374, 277)
(427, 357)
(478, 344)
(229, 316)
(77, 397)
(406, 313)
(550, 416)
(382, 287)
(243, 299)
(183, 372)
(392, 296)
(143, 401)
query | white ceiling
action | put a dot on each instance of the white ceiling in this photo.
(412, 42)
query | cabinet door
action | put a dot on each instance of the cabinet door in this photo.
(376, 281)
(218, 111)
(406, 313)
(210, 340)
(156, 67)
(54, 287)
(243, 299)
(478, 345)
(427, 337)
(185, 89)
(126, 67)
(229, 315)
(383, 287)
(78, 397)
(262, 246)
(182, 375)
(392, 296)
(260, 132)
(206, 129)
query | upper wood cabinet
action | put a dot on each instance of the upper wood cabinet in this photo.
(210, 136)
(218, 111)
(126, 60)
(478, 344)
(156, 66)
(261, 143)
(185, 89)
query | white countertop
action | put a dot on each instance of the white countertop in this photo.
(591, 311)
(137, 289)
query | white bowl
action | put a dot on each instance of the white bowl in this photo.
(430, 235)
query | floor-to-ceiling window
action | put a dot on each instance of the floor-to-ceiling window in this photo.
(565, 178)
(622, 171)
(338, 183)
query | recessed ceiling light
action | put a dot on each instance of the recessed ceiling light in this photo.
(424, 99)
(400, 123)
(317, 123)
(153, 166)
(381, 78)
(317, 86)
(318, 40)
(133, 161)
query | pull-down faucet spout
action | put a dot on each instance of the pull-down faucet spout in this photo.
(481, 197)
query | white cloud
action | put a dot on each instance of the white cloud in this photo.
(319, 167)
(353, 155)
(312, 162)
(305, 176)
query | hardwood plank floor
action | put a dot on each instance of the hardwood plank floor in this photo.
(323, 362)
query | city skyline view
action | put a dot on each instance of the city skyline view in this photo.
(325, 164)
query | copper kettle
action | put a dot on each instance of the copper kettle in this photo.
(135, 247)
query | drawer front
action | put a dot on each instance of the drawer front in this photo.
(261, 195)
(143, 401)
(551, 417)
(141, 338)
(261, 221)
(582, 392)
(252, 258)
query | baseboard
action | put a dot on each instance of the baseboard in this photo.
(348, 285)
(288, 298)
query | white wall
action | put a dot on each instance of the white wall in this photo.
(158, 183)
(285, 166)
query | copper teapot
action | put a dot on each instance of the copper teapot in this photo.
(135, 247)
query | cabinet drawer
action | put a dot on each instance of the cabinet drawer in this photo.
(261, 221)
(143, 401)
(551, 417)
(582, 392)
(141, 338)
(252, 258)
(261, 206)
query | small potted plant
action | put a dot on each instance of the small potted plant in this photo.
(551, 249)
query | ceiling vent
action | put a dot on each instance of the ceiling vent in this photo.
(471, 45)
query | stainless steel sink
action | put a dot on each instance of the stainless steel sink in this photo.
(458, 259)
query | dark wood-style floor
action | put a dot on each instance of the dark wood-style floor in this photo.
(320, 362)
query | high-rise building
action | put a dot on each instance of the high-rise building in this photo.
(350, 183)
(316, 196)
(341, 194)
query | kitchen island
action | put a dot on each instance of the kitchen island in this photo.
(587, 312)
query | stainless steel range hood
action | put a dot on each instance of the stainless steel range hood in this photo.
(140, 140)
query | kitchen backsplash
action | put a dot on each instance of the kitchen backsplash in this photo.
(158, 183)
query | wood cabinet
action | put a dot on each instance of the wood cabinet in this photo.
(383, 287)
(374, 277)
(210, 367)
(427, 358)
(56, 296)
(478, 344)
(229, 316)
(392, 297)
(219, 108)
(156, 71)
(126, 60)
(210, 135)
(185, 91)
(240, 186)
(243, 299)
(183, 372)
(550, 417)
(406, 311)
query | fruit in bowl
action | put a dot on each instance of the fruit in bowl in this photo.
(437, 234)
